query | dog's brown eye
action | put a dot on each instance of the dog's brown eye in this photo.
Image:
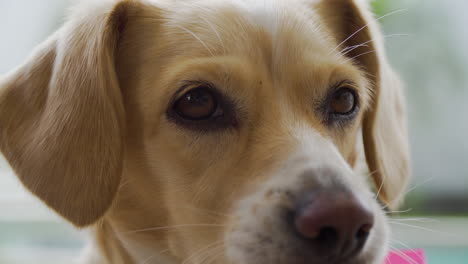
(202, 107)
(341, 105)
(343, 101)
(197, 104)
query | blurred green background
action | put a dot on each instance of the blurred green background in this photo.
(429, 51)
(433, 62)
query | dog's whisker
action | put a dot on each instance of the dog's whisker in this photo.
(202, 251)
(214, 257)
(365, 26)
(420, 220)
(370, 174)
(351, 48)
(155, 255)
(359, 55)
(405, 246)
(164, 251)
(402, 194)
(196, 37)
(212, 254)
(381, 184)
(418, 186)
(403, 255)
(397, 212)
(205, 211)
(421, 228)
(364, 44)
(171, 227)
(123, 184)
(153, 17)
(145, 261)
(216, 33)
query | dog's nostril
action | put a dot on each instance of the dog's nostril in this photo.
(337, 223)
(364, 231)
(361, 237)
(327, 236)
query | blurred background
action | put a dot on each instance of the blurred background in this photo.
(428, 48)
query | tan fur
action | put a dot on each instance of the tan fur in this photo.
(83, 124)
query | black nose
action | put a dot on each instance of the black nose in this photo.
(338, 223)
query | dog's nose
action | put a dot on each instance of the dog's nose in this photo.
(338, 223)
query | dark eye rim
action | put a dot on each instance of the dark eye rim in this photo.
(331, 117)
(224, 115)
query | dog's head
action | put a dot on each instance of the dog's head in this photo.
(238, 121)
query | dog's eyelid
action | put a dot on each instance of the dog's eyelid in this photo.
(345, 83)
(187, 85)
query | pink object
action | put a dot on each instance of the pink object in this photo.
(412, 256)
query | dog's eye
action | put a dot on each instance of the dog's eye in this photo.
(203, 108)
(343, 101)
(197, 104)
(341, 105)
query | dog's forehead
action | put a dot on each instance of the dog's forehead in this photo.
(276, 31)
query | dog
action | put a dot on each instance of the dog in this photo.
(223, 131)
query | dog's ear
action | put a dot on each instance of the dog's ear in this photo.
(384, 126)
(62, 116)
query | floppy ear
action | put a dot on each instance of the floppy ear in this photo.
(62, 116)
(384, 126)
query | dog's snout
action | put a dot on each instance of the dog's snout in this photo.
(336, 222)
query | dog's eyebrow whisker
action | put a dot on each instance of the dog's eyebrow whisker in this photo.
(351, 48)
(171, 227)
(204, 250)
(217, 34)
(197, 38)
(364, 44)
(167, 21)
(365, 26)
(357, 56)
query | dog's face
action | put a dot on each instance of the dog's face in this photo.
(237, 121)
